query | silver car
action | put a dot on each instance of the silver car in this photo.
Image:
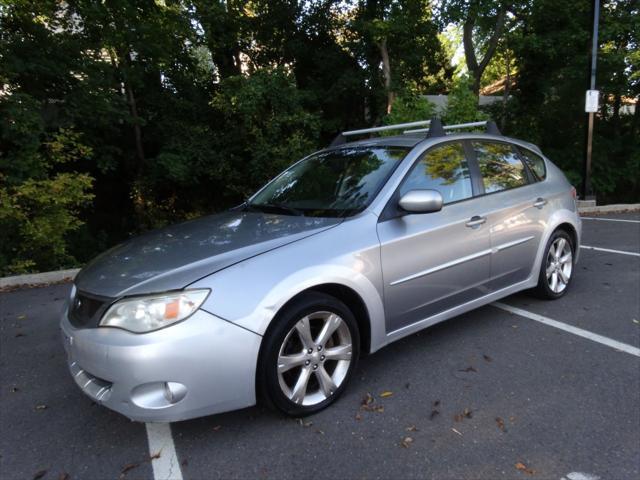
(346, 251)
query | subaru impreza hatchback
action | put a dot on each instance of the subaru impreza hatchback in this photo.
(344, 252)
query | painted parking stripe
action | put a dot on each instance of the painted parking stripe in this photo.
(600, 249)
(611, 219)
(623, 347)
(166, 466)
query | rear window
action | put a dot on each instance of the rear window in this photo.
(535, 163)
(500, 166)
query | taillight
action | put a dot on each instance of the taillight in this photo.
(574, 193)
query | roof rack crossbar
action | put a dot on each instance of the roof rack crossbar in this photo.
(384, 128)
(450, 127)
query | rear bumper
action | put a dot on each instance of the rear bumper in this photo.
(201, 366)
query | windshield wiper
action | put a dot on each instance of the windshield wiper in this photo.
(275, 206)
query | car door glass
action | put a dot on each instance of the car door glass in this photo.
(535, 164)
(443, 168)
(500, 167)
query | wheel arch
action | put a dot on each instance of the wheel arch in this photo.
(571, 230)
(350, 298)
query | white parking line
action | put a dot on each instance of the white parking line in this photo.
(623, 347)
(600, 249)
(611, 219)
(166, 466)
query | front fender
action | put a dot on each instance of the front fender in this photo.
(251, 293)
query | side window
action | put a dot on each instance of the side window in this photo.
(535, 164)
(444, 169)
(500, 167)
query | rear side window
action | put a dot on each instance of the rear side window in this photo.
(535, 164)
(445, 169)
(500, 166)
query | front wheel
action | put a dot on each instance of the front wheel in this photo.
(557, 266)
(309, 355)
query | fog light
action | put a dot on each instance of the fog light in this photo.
(174, 392)
(158, 394)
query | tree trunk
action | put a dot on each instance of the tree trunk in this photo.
(386, 73)
(507, 89)
(476, 69)
(121, 62)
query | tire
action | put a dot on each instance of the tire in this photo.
(326, 378)
(554, 285)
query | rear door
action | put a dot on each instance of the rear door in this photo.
(515, 212)
(436, 261)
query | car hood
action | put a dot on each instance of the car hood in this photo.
(173, 257)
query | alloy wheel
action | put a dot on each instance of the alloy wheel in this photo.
(314, 358)
(559, 265)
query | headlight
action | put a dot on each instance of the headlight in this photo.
(144, 314)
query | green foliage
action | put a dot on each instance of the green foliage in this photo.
(409, 107)
(37, 214)
(267, 128)
(462, 104)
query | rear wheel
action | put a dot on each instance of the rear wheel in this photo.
(557, 266)
(309, 355)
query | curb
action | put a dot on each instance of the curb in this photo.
(617, 208)
(35, 279)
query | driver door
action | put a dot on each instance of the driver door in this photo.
(435, 261)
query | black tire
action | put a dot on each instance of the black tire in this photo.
(268, 383)
(543, 290)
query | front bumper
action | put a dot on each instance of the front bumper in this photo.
(201, 366)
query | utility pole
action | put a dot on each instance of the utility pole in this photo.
(591, 105)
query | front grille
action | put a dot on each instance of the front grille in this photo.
(86, 309)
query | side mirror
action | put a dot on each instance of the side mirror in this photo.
(421, 201)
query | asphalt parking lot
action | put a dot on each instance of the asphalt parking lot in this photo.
(490, 394)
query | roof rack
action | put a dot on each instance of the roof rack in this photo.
(457, 126)
(397, 126)
(435, 129)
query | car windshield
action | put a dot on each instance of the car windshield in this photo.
(331, 184)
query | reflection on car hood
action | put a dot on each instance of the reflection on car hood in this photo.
(175, 256)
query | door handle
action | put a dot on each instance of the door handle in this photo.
(539, 203)
(476, 221)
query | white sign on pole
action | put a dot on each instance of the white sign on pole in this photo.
(591, 101)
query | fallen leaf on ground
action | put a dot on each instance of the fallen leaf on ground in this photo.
(155, 456)
(22, 317)
(358, 416)
(217, 427)
(411, 428)
(466, 413)
(456, 431)
(468, 369)
(304, 424)
(406, 441)
(41, 407)
(500, 423)
(487, 358)
(386, 394)
(367, 400)
(319, 431)
(523, 468)
(40, 474)
(127, 467)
